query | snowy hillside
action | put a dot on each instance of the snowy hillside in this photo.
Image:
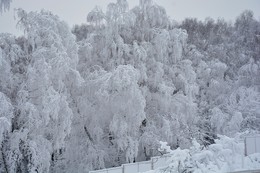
(108, 91)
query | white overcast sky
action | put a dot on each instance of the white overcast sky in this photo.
(75, 11)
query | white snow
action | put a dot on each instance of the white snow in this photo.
(226, 155)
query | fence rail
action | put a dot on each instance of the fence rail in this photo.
(154, 163)
(248, 171)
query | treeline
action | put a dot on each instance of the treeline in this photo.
(108, 91)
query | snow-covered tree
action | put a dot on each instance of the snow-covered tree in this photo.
(130, 79)
(110, 113)
(96, 17)
(43, 94)
(4, 5)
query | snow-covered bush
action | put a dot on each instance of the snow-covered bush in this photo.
(226, 155)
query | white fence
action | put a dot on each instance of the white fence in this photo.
(252, 145)
(154, 163)
(248, 171)
(136, 167)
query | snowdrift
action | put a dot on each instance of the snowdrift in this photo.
(226, 155)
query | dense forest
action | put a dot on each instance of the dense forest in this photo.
(108, 91)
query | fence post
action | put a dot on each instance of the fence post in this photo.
(152, 166)
(245, 148)
(123, 168)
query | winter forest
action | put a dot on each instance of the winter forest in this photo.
(107, 92)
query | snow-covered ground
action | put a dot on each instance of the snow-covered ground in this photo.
(226, 155)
